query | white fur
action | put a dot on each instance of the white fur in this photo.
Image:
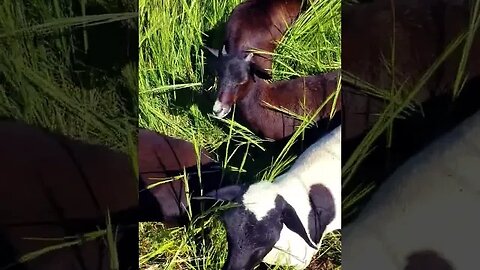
(319, 164)
(430, 203)
(259, 202)
(220, 110)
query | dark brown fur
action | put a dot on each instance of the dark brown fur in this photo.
(161, 156)
(259, 24)
(254, 24)
(287, 94)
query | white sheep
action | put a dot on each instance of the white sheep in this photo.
(427, 214)
(307, 199)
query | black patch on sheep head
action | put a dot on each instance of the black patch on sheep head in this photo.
(322, 212)
(233, 72)
(249, 239)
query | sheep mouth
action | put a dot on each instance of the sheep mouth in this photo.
(220, 110)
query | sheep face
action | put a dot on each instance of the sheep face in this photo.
(252, 236)
(234, 72)
(249, 239)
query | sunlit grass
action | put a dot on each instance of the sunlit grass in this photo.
(175, 99)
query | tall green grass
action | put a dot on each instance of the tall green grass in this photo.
(176, 96)
(38, 70)
(43, 82)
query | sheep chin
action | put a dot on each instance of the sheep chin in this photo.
(290, 250)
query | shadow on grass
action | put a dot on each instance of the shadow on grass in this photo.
(204, 99)
(257, 159)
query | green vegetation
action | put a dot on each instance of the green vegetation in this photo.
(44, 82)
(176, 96)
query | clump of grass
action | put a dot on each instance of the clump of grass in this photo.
(38, 75)
(175, 99)
(42, 83)
(313, 44)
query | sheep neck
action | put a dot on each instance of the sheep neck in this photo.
(250, 106)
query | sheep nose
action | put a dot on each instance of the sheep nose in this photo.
(220, 110)
(217, 107)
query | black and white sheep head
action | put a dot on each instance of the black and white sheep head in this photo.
(251, 237)
(233, 72)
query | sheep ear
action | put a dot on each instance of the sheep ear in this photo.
(211, 50)
(292, 221)
(322, 211)
(228, 193)
(260, 72)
